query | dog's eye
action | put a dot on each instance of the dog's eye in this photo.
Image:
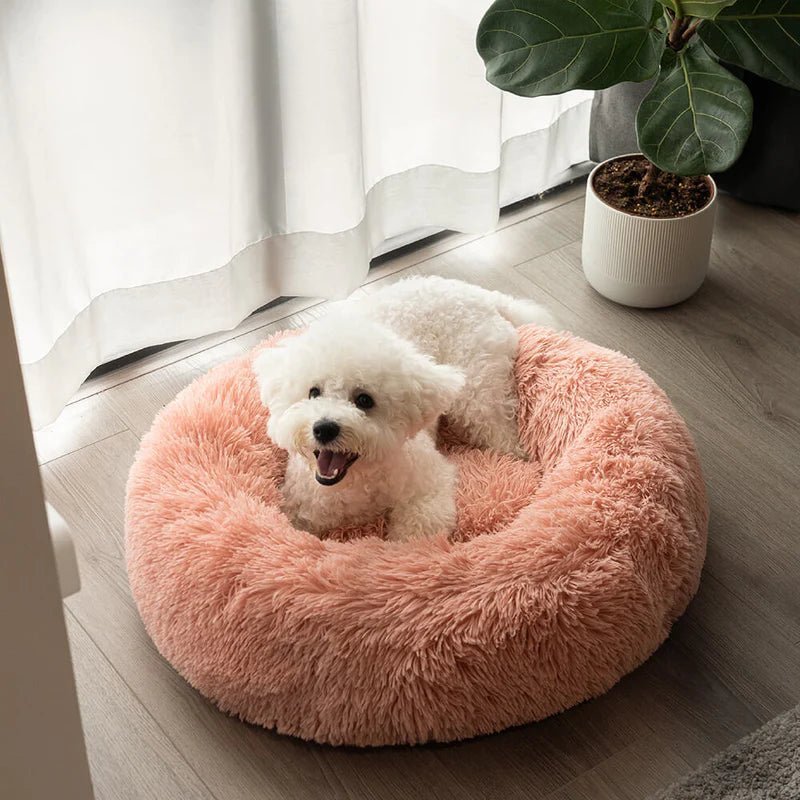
(314, 392)
(364, 401)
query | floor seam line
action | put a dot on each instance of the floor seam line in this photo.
(83, 447)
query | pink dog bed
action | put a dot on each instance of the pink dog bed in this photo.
(566, 571)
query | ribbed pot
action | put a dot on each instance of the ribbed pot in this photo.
(644, 261)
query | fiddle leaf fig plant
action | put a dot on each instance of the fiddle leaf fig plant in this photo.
(697, 116)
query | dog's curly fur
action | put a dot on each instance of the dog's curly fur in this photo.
(418, 349)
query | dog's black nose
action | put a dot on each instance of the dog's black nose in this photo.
(326, 430)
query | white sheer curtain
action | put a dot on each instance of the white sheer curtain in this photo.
(168, 166)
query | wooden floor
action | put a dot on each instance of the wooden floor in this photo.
(730, 360)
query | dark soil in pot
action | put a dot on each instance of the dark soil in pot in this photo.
(618, 184)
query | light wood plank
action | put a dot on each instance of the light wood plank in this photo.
(687, 704)
(136, 402)
(489, 261)
(439, 244)
(130, 756)
(219, 354)
(632, 774)
(754, 262)
(78, 425)
(727, 637)
(534, 760)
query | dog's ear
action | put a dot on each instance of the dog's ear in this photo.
(441, 384)
(269, 367)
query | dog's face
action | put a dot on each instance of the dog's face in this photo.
(350, 391)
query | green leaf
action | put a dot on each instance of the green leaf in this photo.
(703, 9)
(762, 36)
(536, 47)
(697, 117)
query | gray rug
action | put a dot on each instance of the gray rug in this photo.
(762, 766)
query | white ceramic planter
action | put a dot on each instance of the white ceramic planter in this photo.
(643, 261)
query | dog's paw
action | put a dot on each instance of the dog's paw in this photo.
(406, 533)
(420, 521)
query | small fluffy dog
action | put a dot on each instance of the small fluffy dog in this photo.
(356, 397)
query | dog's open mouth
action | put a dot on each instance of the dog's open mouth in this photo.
(332, 465)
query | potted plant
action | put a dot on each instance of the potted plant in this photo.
(649, 216)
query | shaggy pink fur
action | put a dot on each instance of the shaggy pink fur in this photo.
(596, 548)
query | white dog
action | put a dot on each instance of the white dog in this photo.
(356, 397)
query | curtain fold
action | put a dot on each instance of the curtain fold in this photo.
(169, 167)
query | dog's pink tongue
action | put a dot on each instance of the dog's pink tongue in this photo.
(330, 463)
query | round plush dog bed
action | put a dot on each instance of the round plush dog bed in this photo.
(566, 571)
